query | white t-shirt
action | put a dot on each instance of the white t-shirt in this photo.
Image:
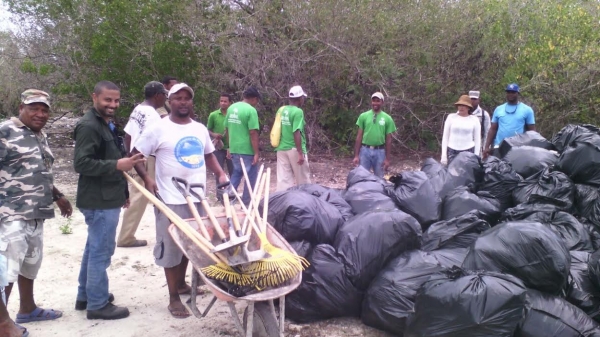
(179, 151)
(461, 133)
(141, 117)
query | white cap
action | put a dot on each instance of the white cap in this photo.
(474, 94)
(378, 95)
(181, 86)
(296, 91)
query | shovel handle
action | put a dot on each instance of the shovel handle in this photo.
(185, 191)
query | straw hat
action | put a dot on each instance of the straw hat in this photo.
(464, 100)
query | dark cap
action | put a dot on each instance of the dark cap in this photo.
(251, 93)
(153, 88)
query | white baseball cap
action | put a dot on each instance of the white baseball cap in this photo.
(296, 91)
(473, 94)
(378, 95)
(181, 86)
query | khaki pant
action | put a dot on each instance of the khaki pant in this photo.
(289, 171)
(137, 206)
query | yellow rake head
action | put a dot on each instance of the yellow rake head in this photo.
(280, 267)
(223, 272)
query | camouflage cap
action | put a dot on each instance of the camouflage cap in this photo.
(31, 96)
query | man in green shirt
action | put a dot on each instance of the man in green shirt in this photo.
(292, 162)
(216, 129)
(241, 123)
(374, 137)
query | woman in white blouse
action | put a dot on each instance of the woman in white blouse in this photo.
(462, 132)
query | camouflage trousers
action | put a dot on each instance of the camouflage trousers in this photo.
(21, 243)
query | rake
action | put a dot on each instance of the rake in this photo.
(281, 265)
(220, 270)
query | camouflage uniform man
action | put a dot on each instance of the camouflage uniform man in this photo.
(26, 201)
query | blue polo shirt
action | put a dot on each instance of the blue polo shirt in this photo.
(511, 120)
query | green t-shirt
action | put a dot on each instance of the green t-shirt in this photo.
(241, 118)
(375, 129)
(292, 119)
(216, 124)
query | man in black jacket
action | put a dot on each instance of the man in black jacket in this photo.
(101, 192)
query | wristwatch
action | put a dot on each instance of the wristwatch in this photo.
(57, 196)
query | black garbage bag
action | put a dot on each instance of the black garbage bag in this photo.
(303, 248)
(551, 316)
(368, 196)
(459, 232)
(594, 269)
(391, 296)
(451, 257)
(360, 174)
(529, 138)
(499, 180)
(529, 160)
(581, 160)
(573, 234)
(587, 202)
(462, 200)
(414, 194)
(593, 230)
(580, 290)
(329, 195)
(298, 215)
(325, 291)
(571, 133)
(468, 304)
(369, 240)
(546, 187)
(527, 250)
(464, 170)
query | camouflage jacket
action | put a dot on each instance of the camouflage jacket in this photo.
(25, 173)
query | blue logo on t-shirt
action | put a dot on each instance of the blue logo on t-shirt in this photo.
(189, 152)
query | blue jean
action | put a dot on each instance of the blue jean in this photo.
(372, 159)
(238, 174)
(99, 248)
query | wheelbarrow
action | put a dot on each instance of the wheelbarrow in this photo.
(260, 318)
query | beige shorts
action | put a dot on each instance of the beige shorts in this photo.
(22, 243)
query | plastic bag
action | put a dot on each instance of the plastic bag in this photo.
(573, 234)
(329, 195)
(459, 232)
(468, 304)
(546, 187)
(499, 180)
(593, 230)
(550, 316)
(369, 240)
(587, 202)
(570, 133)
(391, 296)
(529, 160)
(462, 201)
(581, 160)
(594, 268)
(368, 196)
(325, 291)
(303, 248)
(360, 174)
(465, 169)
(529, 138)
(527, 250)
(298, 216)
(414, 194)
(448, 258)
(580, 290)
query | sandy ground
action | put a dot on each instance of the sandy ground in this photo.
(134, 278)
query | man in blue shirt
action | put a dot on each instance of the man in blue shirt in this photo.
(510, 118)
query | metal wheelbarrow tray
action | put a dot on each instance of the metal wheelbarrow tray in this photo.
(259, 303)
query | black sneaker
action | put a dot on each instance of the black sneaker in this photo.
(82, 305)
(110, 311)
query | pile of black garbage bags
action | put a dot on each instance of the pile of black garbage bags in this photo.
(505, 247)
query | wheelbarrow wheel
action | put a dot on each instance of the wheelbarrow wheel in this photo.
(265, 324)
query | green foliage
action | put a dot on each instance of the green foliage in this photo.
(421, 54)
